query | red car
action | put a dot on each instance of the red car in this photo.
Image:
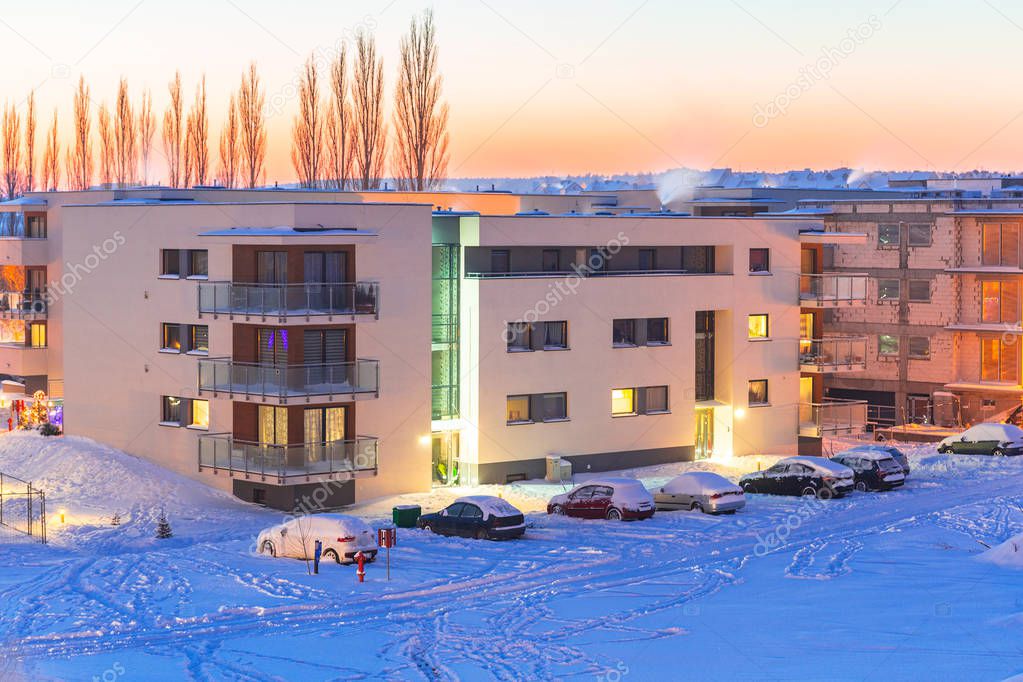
(615, 499)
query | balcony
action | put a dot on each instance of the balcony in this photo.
(833, 417)
(289, 464)
(329, 382)
(832, 290)
(289, 300)
(833, 354)
(22, 306)
(20, 360)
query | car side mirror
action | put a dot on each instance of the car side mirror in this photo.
(284, 531)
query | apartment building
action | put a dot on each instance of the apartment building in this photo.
(319, 348)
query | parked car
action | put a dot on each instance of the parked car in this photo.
(801, 476)
(895, 453)
(872, 469)
(341, 538)
(483, 517)
(615, 499)
(985, 439)
(702, 491)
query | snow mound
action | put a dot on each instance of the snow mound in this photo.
(1008, 554)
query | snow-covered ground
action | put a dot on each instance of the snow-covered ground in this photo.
(875, 585)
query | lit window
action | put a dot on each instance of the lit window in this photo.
(999, 361)
(758, 327)
(518, 409)
(887, 344)
(757, 392)
(171, 337)
(623, 401)
(200, 414)
(171, 410)
(200, 341)
(37, 331)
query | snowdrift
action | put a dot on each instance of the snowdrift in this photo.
(1008, 554)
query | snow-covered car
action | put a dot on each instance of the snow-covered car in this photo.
(615, 499)
(872, 469)
(483, 517)
(896, 454)
(702, 491)
(985, 439)
(801, 476)
(341, 538)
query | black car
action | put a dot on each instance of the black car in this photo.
(872, 469)
(895, 453)
(807, 476)
(480, 516)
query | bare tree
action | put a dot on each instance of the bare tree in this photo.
(251, 100)
(29, 179)
(79, 159)
(197, 129)
(368, 113)
(10, 131)
(420, 157)
(229, 152)
(105, 128)
(146, 127)
(126, 138)
(173, 131)
(51, 158)
(338, 128)
(307, 129)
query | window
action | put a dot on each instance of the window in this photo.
(623, 402)
(518, 336)
(887, 344)
(200, 339)
(471, 511)
(185, 338)
(888, 290)
(999, 361)
(1000, 302)
(920, 347)
(171, 411)
(1000, 245)
(170, 263)
(657, 331)
(37, 334)
(758, 327)
(623, 333)
(171, 337)
(551, 260)
(656, 400)
(184, 263)
(555, 406)
(698, 259)
(198, 263)
(200, 414)
(555, 335)
(500, 260)
(919, 235)
(888, 236)
(648, 259)
(518, 409)
(759, 260)
(36, 226)
(757, 392)
(920, 290)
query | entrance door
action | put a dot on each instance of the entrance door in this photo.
(704, 433)
(806, 417)
(445, 458)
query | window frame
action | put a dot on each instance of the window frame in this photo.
(165, 347)
(667, 400)
(166, 405)
(749, 393)
(909, 290)
(767, 327)
(529, 411)
(767, 260)
(665, 324)
(564, 334)
(614, 329)
(909, 235)
(191, 415)
(881, 243)
(880, 345)
(632, 393)
(563, 396)
(527, 347)
(880, 288)
(916, 355)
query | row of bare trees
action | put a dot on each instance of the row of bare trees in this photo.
(340, 141)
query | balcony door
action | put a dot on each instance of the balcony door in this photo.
(273, 425)
(324, 435)
(272, 270)
(324, 273)
(323, 351)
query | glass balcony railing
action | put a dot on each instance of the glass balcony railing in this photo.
(834, 354)
(285, 300)
(833, 417)
(222, 375)
(16, 225)
(286, 463)
(22, 305)
(830, 289)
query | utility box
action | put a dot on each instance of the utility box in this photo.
(406, 515)
(558, 470)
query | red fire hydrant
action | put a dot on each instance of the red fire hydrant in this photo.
(360, 558)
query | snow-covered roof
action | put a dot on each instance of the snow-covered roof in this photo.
(328, 524)
(995, 432)
(491, 505)
(285, 231)
(821, 464)
(873, 454)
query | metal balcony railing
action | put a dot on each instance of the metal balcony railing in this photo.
(287, 300)
(223, 375)
(833, 289)
(832, 417)
(22, 305)
(833, 354)
(287, 463)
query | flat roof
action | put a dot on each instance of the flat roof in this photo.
(286, 231)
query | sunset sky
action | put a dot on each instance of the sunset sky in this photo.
(542, 87)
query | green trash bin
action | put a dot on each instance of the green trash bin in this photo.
(406, 515)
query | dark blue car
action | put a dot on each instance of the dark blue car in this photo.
(479, 516)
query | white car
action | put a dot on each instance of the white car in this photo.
(341, 538)
(702, 491)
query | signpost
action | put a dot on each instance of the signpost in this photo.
(387, 538)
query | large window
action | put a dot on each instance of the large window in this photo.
(758, 328)
(757, 392)
(538, 407)
(200, 417)
(185, 338)
(1000, 244)
(623, 402)
(176, 411)
(919, 235)
(647, 259)
(651, 331)
(184, 263)
(887, 344)
(551, 260)
(623, 333)
(517, 407)
(1000, 302)
(555, 335)
(920, 347)
(626, 402)
(518, 336)
(500, 260)
(888, 290)
(657, 331)
(920, 290)
(759, 260)
(37, 334)
(522, 336)
(999, 361)
(555, 406)
(888, 236)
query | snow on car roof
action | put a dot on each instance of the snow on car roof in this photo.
(613, 481)
(997, 432)
(819, 463)
(698, 482)
(329, 523)
(491, 505)
(874, 454)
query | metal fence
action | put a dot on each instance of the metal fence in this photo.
(22, 507)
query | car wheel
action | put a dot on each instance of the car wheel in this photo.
(268, 548)
(428, 527)
(614, 515)
(809, 491)
(998, 452)
(825, 494)
(749, 488)
(481, 534)
(862, 486)
(696, 506)
(331, 554)
(558, 509)
(943, 450)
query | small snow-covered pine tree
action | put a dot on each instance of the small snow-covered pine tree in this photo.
(163, 529)
(115, 520)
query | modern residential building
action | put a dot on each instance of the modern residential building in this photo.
(306, 348)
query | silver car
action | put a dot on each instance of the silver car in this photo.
(700, 491)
